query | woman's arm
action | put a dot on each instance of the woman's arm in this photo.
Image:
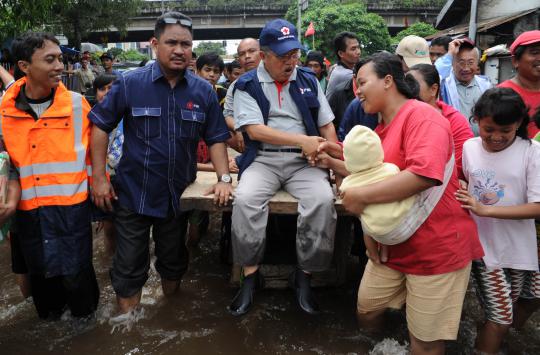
(523, 211)
(395, 188)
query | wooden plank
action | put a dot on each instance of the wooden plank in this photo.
(194, 198)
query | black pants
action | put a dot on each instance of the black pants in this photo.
(131, 260)
(79, 292)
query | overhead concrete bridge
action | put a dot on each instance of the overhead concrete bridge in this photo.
(233, 22)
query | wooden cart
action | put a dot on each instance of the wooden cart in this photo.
(276, 275)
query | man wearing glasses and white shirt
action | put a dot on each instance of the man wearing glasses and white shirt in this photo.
(285, 116)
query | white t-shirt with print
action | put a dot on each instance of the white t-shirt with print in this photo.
(507, 178)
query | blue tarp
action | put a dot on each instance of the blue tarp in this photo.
(67, 50)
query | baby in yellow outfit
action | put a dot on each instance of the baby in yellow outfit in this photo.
(364, 155)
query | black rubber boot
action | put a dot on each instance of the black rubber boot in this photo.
(241, 303)
(301, 283)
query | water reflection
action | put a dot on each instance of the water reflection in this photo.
(196, 321)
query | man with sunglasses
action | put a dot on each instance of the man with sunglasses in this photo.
(285, 115)
(166, 110)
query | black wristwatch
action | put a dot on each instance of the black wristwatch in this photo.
(226, 178)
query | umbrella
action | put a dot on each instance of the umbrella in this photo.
(67, 50)
(90, 47)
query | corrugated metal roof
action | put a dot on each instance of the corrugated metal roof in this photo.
(482, 26)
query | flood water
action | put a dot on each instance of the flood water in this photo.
(196, 320)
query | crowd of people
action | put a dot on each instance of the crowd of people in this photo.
(442, 169)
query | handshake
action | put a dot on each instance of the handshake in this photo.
(310, 146)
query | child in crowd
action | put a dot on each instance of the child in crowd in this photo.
(502, 167)
(102, 84)
(232, 71)
(209, 66)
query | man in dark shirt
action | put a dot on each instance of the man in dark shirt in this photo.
(166, 109)
(107, 61)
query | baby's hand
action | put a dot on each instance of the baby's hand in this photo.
(376, 252)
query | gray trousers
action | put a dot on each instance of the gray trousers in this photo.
(316, 223)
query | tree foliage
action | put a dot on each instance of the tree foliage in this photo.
(18, 16)
(421, 29)
(333, 16)
(206, 46)
(76, 18)
(73, 18)
(233, 3)
(132, 55)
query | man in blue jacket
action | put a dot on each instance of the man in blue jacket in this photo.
(284, 114)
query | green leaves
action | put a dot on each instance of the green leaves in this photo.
(205, 47)
(73, 18)
(333, 16)
(18, 16)
(419, 29)
(76, 18)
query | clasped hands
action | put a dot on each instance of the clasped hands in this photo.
(316, 152)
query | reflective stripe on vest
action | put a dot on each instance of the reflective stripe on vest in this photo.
(53, 190)
(61, 167)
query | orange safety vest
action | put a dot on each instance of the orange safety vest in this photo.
(51, 155)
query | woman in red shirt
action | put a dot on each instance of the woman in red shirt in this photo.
(430, 271)
(428, 79)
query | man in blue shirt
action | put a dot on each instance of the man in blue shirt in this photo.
(166, 110)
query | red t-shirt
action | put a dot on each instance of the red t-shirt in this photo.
(531, 99)
(419, 140)
(461, 131)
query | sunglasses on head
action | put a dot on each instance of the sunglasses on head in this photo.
(174, 21)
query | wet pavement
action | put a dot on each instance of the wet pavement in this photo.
(196, 320)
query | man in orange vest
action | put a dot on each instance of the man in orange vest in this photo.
(46, 133)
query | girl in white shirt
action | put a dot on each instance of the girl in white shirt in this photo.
(502, 167)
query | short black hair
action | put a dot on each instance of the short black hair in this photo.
(429, 73)
(161, 24)
(384, 64)
(233, 65)
(103, 80)
(211, 59)
(340, 41)
(505, 107)
(24, 46)
(441, 41)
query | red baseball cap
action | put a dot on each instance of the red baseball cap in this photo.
(525, 39)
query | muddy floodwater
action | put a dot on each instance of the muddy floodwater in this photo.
(196, 320)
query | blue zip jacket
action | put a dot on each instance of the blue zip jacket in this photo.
(306, 101)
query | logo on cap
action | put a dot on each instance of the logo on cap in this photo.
(285, 31)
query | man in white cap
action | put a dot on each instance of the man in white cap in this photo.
(284, 114)
(413, 50)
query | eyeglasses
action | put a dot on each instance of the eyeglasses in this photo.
(177, 21)
(288, 56)
(464, 64)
